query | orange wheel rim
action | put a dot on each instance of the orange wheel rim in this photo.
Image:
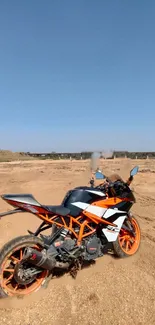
(129, 243)
(7, 281)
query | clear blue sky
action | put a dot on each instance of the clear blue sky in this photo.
(77, 75)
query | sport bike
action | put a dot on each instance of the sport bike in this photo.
(90, 221)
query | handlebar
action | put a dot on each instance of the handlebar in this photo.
(115, 186)
(111, 183)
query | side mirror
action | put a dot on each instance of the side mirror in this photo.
(134, 171)
(99, 175)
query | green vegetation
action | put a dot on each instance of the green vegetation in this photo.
(6, 156)
(87, 155)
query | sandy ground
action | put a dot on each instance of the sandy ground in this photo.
(119, 292)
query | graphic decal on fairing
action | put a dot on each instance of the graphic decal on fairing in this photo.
(96, 192)
(110, 212)
(111, 233)
(98, 211)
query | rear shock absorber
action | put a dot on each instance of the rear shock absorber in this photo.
(61, 238)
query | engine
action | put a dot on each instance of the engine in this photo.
(63, 252)
(93, 248)
(90, 249)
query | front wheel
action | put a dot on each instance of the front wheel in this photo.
(127, 244)
(11, 266)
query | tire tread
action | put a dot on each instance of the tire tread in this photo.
(13, 243)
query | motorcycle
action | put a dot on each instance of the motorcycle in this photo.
(89, 219)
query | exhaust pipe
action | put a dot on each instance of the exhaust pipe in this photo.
(42, 259)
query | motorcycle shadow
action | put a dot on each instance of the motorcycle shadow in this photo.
(57, 273)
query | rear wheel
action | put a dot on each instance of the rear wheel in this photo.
(10, 261)
(127, 244)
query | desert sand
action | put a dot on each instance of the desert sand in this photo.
(118, 292)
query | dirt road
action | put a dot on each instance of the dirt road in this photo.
(119, 292)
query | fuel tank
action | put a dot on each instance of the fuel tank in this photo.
(82, 194)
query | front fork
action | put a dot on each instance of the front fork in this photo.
(128, 226)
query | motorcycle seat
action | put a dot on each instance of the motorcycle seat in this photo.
(57, 209)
